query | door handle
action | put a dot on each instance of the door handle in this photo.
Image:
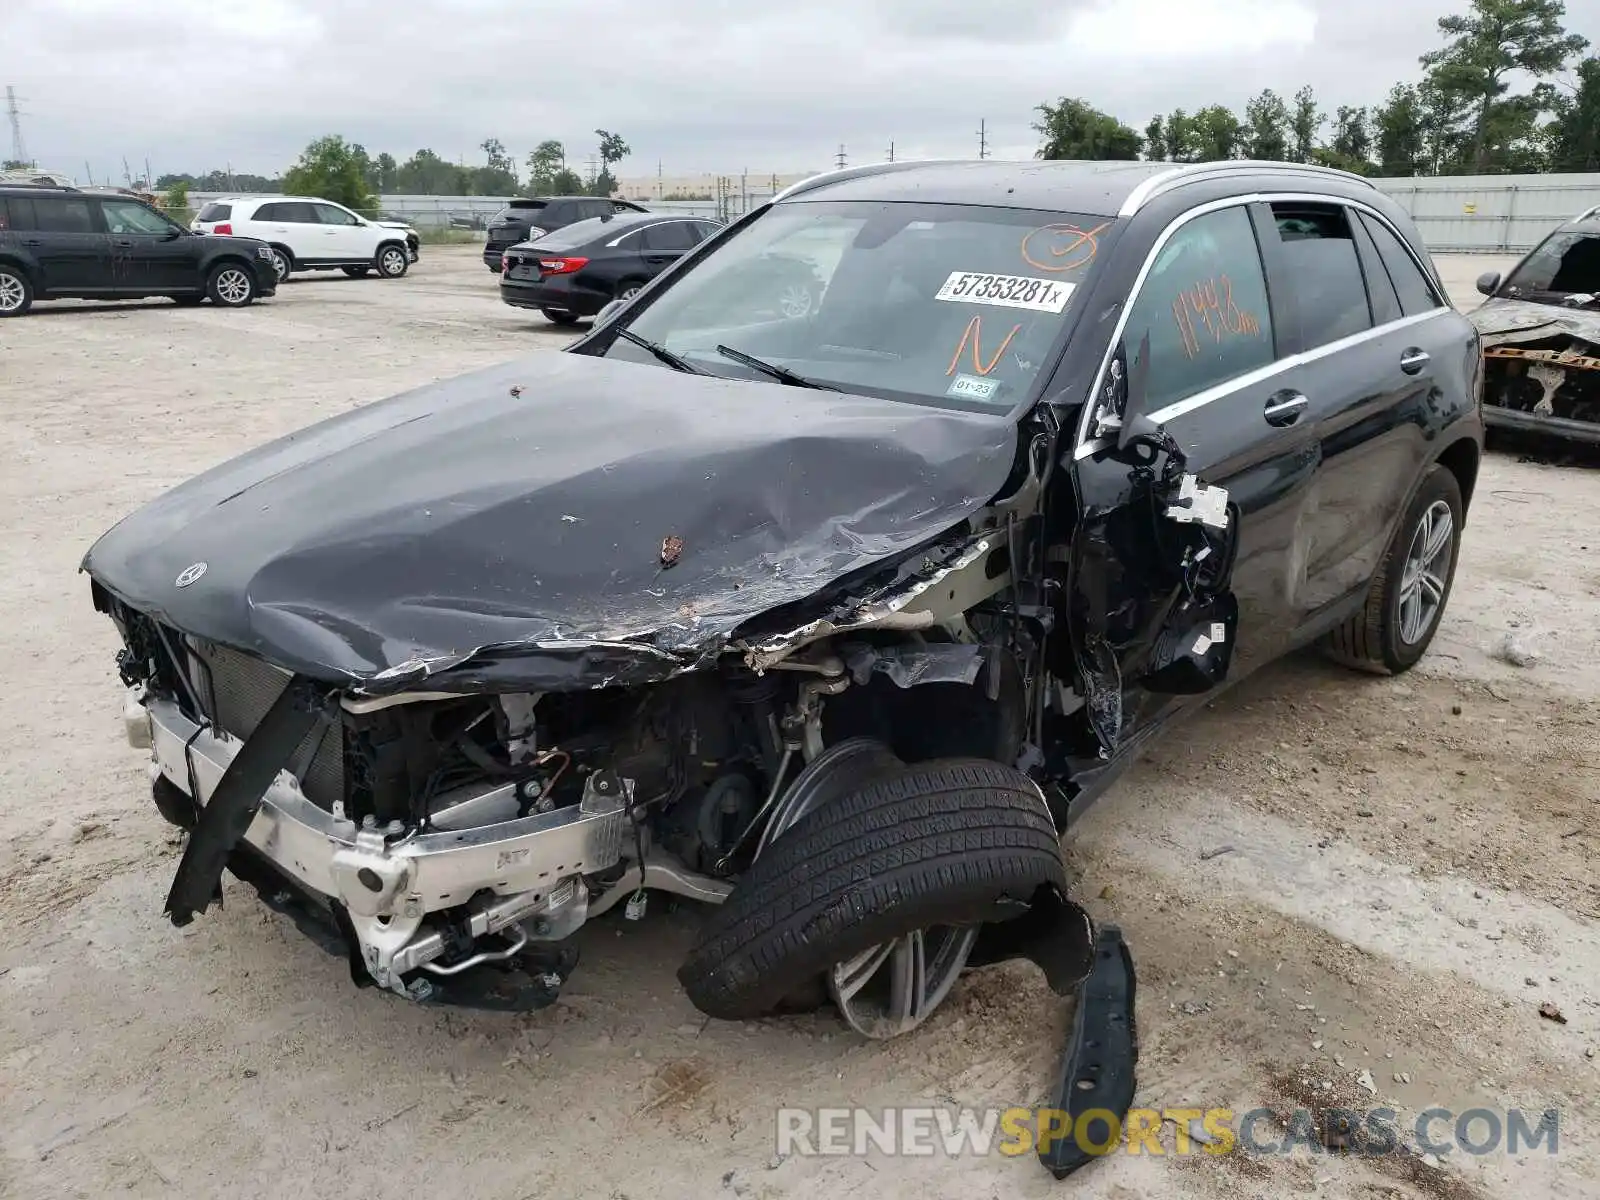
(124, 241)
(1285, 407)
(1413, 360)
(33, 241)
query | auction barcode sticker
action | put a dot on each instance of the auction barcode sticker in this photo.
(1006, 291)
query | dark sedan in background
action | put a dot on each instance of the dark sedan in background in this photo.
(524, 220)
(575, 272)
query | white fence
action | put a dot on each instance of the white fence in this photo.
(1455, 213)
(1486, 213)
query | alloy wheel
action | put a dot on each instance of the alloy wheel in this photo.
(795, 301)
(892, 987)
(394, 261)
(280, 264)
(12, 293)
(233, 286)
(1427, 567)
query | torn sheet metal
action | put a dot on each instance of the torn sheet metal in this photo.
(910, 665)
(1511, 322)
(425, 540)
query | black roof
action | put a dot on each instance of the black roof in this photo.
(1095, 188)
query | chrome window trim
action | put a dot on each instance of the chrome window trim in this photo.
(1085, 446)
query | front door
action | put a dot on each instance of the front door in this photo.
(346, 237)
(1192, 493)
(148, 252)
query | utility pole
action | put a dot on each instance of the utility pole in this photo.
(88, 175)
(840, 157)
(891, 151)
(983, 138)
(19, 148)
(127, 175)
(658, 179)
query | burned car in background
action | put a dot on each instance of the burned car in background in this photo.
(1541, 336)
(834, 618)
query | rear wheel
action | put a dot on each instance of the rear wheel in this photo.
(393, 261)
(560, 318)
(629, 288)
(1412, 586)
(231, 286)
(875, 876)
(355, 272)
(16, 293)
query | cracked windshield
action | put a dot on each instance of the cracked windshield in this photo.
(942, 304)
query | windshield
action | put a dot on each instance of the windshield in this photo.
(1566, 264)
(955, 305)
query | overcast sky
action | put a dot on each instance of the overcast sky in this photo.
(702, 85)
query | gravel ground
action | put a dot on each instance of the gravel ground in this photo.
(1406, 872)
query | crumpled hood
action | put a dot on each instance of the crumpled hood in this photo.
(506, 528)
(1511, 321)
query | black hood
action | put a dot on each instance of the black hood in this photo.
(506, 528)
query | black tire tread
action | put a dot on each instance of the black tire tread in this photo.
(939, 842)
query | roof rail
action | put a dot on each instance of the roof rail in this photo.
(33, 183)
(861, 172)
(1165, 181)
(1588, 214)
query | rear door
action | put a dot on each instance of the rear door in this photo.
(1369, 373)
(665, 243)
(149, 252)
(1163, 606)
(294, 224)
(72, 252)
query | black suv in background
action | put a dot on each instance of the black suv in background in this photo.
(527, 220)
(58, 242)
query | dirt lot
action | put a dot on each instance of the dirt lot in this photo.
(1408, 872)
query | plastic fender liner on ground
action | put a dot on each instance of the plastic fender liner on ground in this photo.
(1098, 1074)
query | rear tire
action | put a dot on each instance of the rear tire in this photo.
(629, 288)
(231, 285)
(560, 318)
(1412, 587)
(16, 293)
(356, 272)
(392, 260)
(282, 262)
(942, 843)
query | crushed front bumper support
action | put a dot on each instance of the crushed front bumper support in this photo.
(497, 874)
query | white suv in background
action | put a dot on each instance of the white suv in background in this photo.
(307, 234)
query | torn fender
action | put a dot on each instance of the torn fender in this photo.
(505, 529)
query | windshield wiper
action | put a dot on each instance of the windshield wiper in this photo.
(672, 360)
(781, 374)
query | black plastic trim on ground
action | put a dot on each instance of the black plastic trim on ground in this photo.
(1098, 1073)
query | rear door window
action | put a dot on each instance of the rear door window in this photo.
(669, 236)
(57, 214)
(1416, 293)
(218, 212)
(1322, 267)
(1380, 289)
(1204, 308)
(21, 208)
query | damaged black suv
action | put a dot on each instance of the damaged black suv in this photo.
(835, 620)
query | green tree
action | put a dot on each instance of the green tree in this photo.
(612, 150)
(1398, 124)
(1266, 132)
(498, 177)
(426, 174)
(175, 201)
(1446, 146)
(547, 160)
(1155, 140)
(1075, 129)
(1183, 144)
(1488, 43)
(332, 169)
(1217, 134)
(1352, 135)
(567, 182)
(1574, 135)
(387, 171)
(1305, 123)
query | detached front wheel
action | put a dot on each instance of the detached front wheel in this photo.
(874, 877)
(1409, 593)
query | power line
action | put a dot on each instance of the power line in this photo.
(19, 148)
